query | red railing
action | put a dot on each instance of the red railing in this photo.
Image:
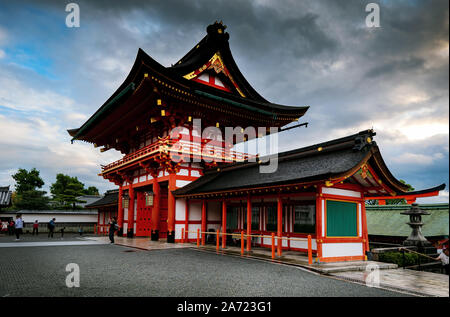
(208, 151)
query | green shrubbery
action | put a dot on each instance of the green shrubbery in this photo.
(397, 258)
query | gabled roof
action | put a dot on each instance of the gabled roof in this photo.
(111, 198)
(148, 73)
(333, 161)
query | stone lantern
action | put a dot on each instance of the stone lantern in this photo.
(416, 237)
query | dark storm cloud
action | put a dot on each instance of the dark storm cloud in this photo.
(316, 53)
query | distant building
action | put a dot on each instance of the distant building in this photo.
(385, 224)
(107, 208)
(5, 197)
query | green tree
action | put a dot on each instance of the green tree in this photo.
(27, 195)
(65, 191)
(91, 190)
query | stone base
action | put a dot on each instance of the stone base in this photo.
(155, 235)
(130, 234)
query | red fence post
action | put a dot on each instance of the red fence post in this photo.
(242, 242)
(309, 250)
(198, 237)
(217, 240)
(273, 245)
(280, 244)
(182, 235)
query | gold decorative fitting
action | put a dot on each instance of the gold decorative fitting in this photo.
(163, 113)
(218, 169)
(220, 31)
(137, 128)
(189, 118)
(145, 75)
(152, 120)
(158, 102)
(117, 140)
(320, 149)
(217, 124)
(369, 140)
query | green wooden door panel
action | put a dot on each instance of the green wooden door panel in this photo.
(341, 219)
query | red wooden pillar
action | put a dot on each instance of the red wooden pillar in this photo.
(155, 210)
(98, 221)
(249, 222)
(364, 226)
(171, 209)
(224, 224)
(130, 226)
(186, 221)
(318, 224)
(279, 223)
(120, 212)
(203, 229)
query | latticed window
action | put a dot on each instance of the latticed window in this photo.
(255, 218)
(232, 218)
(271, 224)
(304, 218)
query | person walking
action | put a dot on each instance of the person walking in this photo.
(18, 226)
(112, 228)
(62, 232)
(36, 227)
(51, 227)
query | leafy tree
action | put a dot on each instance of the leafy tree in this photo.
(26, 181)
(65, 191)
(91, 190)
(27, 195)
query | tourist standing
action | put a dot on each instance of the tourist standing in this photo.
(443, 257)
(11, 227)
(51, 227)
(112, 228)
(36, 227)
(18, 225)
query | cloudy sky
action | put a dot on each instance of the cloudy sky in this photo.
(318, 53)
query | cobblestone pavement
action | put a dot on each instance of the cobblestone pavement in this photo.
(111, 270)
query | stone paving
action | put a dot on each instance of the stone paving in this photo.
(414, 282)
(418, 282)
(114, 270)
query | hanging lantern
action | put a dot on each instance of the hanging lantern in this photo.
(148, 199)
(125, 200)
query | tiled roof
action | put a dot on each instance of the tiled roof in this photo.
(5, 196)
(386, 220)
(111, 198)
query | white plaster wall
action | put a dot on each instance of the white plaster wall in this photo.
(44, 218)
(181, 183)
(214, 211)
(269, 242)
(195, 211)
(341, 249)
(193, 231)
(340, 192)
(180, 209)
(304, 244)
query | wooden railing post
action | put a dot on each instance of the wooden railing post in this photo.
(309, 250)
